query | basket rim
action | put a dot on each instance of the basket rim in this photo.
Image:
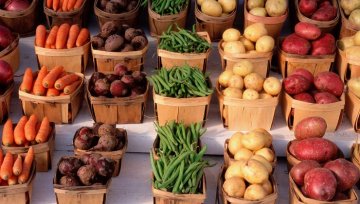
(265, 19)
(21, 188)
(51, 12)
(96, 52)
(8, 91)
(204, 17)
(341, 102)
(257, 55)
(159, 17)
(98, 11)
(65, 51)
(13, 45)
(17, 14)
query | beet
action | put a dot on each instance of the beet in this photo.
(118, 88)
(108, 29)
(96, 76)
(83, 142)
(69, 181)
(120, 69)
(86, 174)
(139, 42)
(106, 129)
(137, 91)
(102, 87)
(112, 77)
(128, 80)
(105, 167)
(69, 166)
(90, 158)
(131, 33)
(85, 130)
(97, 42)
(106, 143)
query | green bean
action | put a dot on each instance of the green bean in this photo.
(152, 162)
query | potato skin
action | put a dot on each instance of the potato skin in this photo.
(307, 30)
(308, 7)
(318, 149)
(326, 12)
(305, 73)
(306, 97)
(299, 170)
(296, 84)
(320, 184)
(310, 127)
(325, 98)
(325, 45)
(329, 82)
(295, 44)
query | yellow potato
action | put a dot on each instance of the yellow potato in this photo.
(235, 169)
(236, 81)
(227, 5)
(255, 3)
(265, 44)
(267, 153)
(255, 31)
(247, 43)
(253, 140)
(264, 95)
(267, 187)
(357, 38)
(354, 17)
(346, 42)
(234, 47)
(231, 34)
(255, 192)
(353, 52)
(265, 134)
(254, 81)
(272, 86)
(199, 2)
(250, 94)
(235, 143)
(232, 92)
(264, 162)
(254, 172)
(349, 5)
(224, 78)
(243, 154)
(211, 8)
(243, 68)
(276, 7)
(258, 11)
(234, 187)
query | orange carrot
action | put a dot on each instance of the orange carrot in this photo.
(44, 131)
(40, 36)
(49, 79)
(64, 5)
(70, 5)
(19, 131)
(73, 34)
(56, 4)
(62, 36)
(72, 87)
(78, 4)
(17, 168)
(27, 82)
(49, 3)
(24, 176)
(38, 88)
(8, 133)
(30, 128)
(83, 37)
(52, 92)
(51, 39)
(6, 167)
(66, 80)
(12, 180)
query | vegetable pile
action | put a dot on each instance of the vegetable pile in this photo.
(15, 169)
(183, 41)
(272, 8)
(318, 10)
(6, 76)
(351, 45)
(351, 9)
(255, 39)
(167, 7)
(64, 5)
(61, 37)
(87, 170)
(28, 131)
(117, 6)
(15, 5)
(114, 38)
(325, 88)
(100, 137)
(217, 8)
(308, 39)
(122, 83)
(181, 82)
(55, 82)
(242, 83)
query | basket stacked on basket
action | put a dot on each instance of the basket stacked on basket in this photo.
(70, 11)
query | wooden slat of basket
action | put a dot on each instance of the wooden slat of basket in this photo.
(72, 17)
(347, 66)
(352, 108)
(5, 101)
(11, 54)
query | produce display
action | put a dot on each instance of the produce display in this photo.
(122, 83)
(100, 137)
(272, 8)
(55, 82)
(15, 5)
(255, 39)
(309, 40)
(217, 8)
(113, 38)
(6, 76)
(242, 83)
(117, 6)
(6, 37)
(329, 182)
(181, 82)
(64, 36)
(64, 5)
(354, 86)
(87, 170)
(183, 41)
(351, 45)
(167, 7)
(351, 9)
(318, 10)
(28, 131)
(15, 169)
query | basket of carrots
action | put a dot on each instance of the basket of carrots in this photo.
(17, 138)
(17, 173)
(68, 45)
(65, 11)
(55, 94)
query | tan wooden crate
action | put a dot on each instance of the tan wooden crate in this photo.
(352, 109)
(5, 101)
(11, 54)
(347, 66)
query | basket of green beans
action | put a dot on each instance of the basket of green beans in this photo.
(166, 7)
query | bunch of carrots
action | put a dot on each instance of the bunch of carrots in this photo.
(14, 169)
(61, 37)
(64, 5)
(28, 131)
(55, 82)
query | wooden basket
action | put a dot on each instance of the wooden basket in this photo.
(186, 110)
(114, 155)
(129, 18)
(168, 59)
(325, 26)
(347, 28)
(58, 109)
(159, 24)
(215, 26)
(5, 101)
(314, 64)
(332, 113)
(105, 61)
(19, 193)
(73, 59)
(76, 16)
(348, 67)
(273, 25)
(43, 151)
(119, 110)
(352, 108)
(229, 158)
(11, 54)
(261, 61)
(245, 115)
(355, 154)
(163, 197)
(297, 197)
(23, 22)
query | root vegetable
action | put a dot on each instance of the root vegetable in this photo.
(318, 149)
(90, 158)
(310, 127)
(320, 184)
(106, 129)
(105, 167)
(307, 30)
(106, 143)
(299, 170)
(329, 82)
(69, 181)
(306, 97)
(295, 84)
(87, 174)
(69, 166)
(325, 98)
(294, 44)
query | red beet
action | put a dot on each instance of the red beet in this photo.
(119, 89)
(102, 87)
(120, 69)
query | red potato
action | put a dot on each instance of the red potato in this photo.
(324, 3)
(320, 184)
(329, 82)
(295, 44)
(308, 7)
(291, 147)
(310, 127)
(346, 173)
(303, 191)
(325, 45)
(318, 149)
(325, 98)
(305, 73)
(306, 97)
(307, 30)
(325, 13)
(296, 84)
(299, 170)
